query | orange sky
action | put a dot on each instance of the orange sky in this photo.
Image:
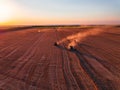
(44, 12)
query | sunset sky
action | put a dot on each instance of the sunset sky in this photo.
(51, 12)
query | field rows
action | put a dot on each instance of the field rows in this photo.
(30, 61)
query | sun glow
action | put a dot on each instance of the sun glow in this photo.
(6, 12)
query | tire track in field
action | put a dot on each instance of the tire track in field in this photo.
(83, 79)
(102, 86)
(15, 44)
(32, 77)
(115, 73)
(26, 56)
(8, 58)
(22, 61)
(39, 79)
(80, 78)
(70, 79)
(59, 73)
(10, 48)
(59, 81)
(96, 71)
(28, 80)
(6, 74)
(106, 63)
(107, 60)
(52, 70)
(11, 45)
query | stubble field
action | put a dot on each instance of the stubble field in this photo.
(29, 60)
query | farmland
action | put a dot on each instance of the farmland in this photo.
(29, 60)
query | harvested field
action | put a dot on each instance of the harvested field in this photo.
(29, 60)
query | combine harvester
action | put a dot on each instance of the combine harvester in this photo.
(71, 48)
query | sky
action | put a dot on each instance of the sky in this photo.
(52, 12)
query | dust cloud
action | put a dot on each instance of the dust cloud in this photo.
(77, 38)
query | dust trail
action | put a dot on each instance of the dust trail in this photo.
(77, 38)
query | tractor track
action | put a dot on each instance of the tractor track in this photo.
(32, 62)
